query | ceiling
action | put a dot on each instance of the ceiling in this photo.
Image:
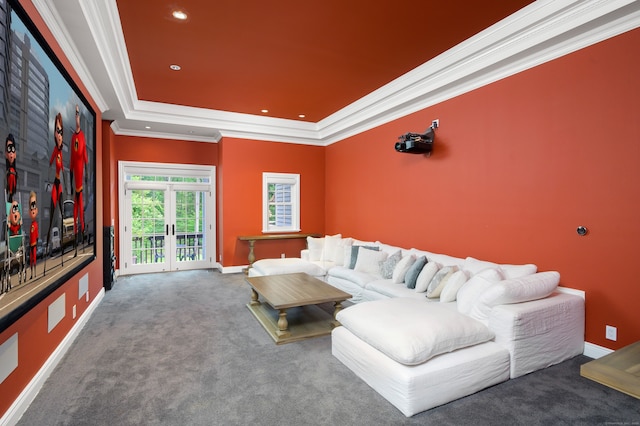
(310, 58)
(321, 68)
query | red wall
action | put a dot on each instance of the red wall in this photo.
(152, 150)
(35, 344)
(517, 166)
(240, 194)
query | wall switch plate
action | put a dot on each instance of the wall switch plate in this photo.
(611, 333)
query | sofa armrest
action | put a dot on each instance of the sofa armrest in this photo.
(541, 332)
(304, 254)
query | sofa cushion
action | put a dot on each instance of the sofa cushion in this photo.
(454, 283)
(411, 276)
(288, 265)
(402, 267)
(411, 331)
(426, 275)
(442, 259)
(473, 266)
(517, 290)
(439, 281)
(388, 288)
(389, 264)
(369, 260)
(359, 278)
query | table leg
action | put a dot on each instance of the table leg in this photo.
(283, 324)
(337, 308)
(254, 298)
(252, 256)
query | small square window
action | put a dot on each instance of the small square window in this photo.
(281, 202)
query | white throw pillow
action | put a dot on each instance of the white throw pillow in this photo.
(454, 283)
(517, 290)
(369, 261)
(439, 281)
(401, 268)
(411, 331)
(331, 244)
(316, 248)
(343, 246)
(473, 289)
(426, 275)
(523, 289)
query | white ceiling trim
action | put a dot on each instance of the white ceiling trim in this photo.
(540, 32)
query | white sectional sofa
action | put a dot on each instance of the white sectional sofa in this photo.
(427, 328)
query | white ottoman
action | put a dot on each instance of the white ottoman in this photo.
(287, 265)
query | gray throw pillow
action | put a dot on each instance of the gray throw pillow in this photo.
(354, 254)
(412, 274)
(387, 266)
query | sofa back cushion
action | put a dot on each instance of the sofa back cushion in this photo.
(473, 266)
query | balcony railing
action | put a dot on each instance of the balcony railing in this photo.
(151, 248)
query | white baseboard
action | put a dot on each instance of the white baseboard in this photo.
(594, 351)
(29, 393)
(231, 269)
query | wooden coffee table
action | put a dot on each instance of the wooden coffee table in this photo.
(291, 312)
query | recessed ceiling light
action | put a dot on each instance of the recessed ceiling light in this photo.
(175, 67)
(179, 14)
(147, 127)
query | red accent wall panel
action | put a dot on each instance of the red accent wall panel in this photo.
(153, 150)
(517, 166)
(240, 196)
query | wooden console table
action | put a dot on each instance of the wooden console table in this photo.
(253, 238)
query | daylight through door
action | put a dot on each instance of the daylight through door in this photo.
(167, 217)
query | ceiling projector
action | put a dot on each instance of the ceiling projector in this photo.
(416, 143)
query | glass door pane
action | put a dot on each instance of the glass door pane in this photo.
(190, 224)
(148, 229)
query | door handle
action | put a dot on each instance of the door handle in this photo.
(173, 229)
(167, 233)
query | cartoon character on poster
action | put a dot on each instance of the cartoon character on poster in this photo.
(79, 159)
(56, 189)
(33, 234)
(12, 173)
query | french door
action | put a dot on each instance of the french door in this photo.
(167, 218)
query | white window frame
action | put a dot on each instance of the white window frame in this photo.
(283, 178)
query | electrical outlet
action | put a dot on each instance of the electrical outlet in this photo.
(282, 255)
(435, 123)
(611, 333)
(73, 312)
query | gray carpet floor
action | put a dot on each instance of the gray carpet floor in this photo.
(181, 348)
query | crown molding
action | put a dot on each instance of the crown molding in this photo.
(543, 31)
